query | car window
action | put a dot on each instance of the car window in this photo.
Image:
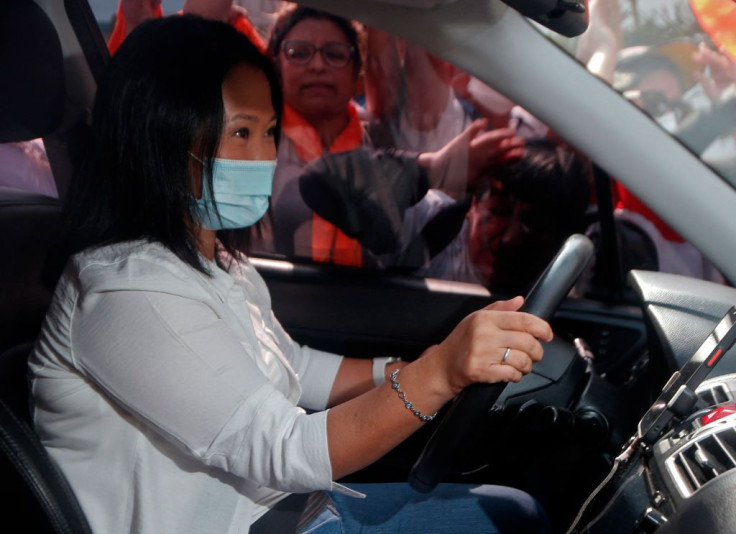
(392, 159)
(675, 60)
(25, 166)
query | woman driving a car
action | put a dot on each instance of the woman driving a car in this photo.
(162, 383)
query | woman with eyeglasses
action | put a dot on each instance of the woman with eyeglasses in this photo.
(318, 57)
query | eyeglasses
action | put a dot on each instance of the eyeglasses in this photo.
(336, 55)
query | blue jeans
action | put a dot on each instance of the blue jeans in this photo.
(450, 508)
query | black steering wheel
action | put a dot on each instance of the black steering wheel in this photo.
(468, 408)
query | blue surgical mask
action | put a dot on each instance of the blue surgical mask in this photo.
(241, 188)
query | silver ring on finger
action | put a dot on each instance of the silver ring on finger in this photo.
(506, 355)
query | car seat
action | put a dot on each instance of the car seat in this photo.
(28, 223)
(32, 97)
(34, 494)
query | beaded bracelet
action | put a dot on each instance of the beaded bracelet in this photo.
(409, 406)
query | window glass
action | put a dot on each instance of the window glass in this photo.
(393, 159)
(25, 166)
(674, 59)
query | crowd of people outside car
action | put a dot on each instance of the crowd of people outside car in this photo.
(685, 86)
(321, 116)
(418, 153)
(518, 220)
(387, 150)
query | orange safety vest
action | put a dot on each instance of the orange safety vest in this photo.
(329, 244)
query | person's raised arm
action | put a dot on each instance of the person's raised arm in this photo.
(599, 47)
(722, 71)
(384, 77)
(428, 87)
(456, 166)
(130, 14)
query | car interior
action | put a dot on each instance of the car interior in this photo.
(34, 487)
(602, 371)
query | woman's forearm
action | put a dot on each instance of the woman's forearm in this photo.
(354, 378)
(363, 429)
(495, 344)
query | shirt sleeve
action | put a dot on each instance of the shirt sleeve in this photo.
(172, 363)
(316, 369)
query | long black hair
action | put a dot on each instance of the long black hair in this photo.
(160, 100)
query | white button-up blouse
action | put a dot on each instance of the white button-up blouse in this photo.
(170, 398)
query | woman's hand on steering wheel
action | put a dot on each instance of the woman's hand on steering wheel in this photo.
(474, 351)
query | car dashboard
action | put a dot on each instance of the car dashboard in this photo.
(685, 479)
(681, 311)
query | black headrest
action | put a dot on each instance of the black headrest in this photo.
(32, 89)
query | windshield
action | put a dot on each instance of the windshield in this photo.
(675, 60)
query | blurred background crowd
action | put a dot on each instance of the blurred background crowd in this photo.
(394, 159)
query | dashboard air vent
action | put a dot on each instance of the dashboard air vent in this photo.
(715, 394)
(703, 460)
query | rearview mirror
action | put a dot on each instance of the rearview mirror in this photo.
(566, 17)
